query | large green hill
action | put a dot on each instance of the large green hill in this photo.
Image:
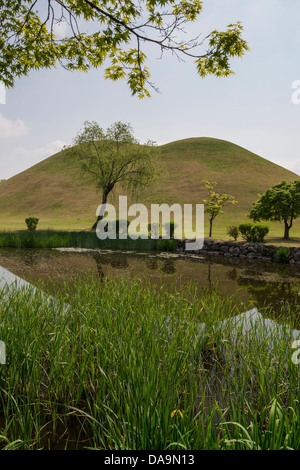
(60, 195)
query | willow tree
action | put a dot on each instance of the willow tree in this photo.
(215, 203)
(115, 33)
(115, 157)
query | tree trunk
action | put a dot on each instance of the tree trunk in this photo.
(100, 216)
(286, 230)
(210, 227)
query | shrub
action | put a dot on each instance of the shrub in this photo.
(233, 231)
(31, 223)
(172, 226)
(154, 229)
(245, 230)
(118, 225)
(253, 232)
(258, 232)
(118, 231)
(282, 255)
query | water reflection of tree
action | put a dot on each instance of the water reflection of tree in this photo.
(115, 260)
(232, 274)
(152, 263)
(119, 261)
(168, 267)
(30, 258)
(212, 286)
(99, 260)
(283, 270)
(274, 294)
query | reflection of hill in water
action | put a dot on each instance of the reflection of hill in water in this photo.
(263, 283)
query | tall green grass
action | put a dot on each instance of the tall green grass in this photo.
(84, 239)
(129, 367)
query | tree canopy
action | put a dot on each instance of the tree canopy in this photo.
(279, 203)
(114, 32)
(215, 203)
(113, 156)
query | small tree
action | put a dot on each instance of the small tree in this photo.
(233, 231)
(114, 157)
(31, 223)
(215, 203)
(279, 203)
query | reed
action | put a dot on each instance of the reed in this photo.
(79, 239)
(130, 367)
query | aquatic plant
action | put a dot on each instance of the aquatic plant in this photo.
(80, 239)
(109, 371)
(282, 255)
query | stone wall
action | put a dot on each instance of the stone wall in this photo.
(243, 250)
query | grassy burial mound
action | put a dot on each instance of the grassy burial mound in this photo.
(62, 196)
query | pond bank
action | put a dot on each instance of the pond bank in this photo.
(242, 250)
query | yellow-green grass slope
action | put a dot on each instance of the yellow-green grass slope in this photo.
(61, 195)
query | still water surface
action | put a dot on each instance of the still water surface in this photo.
(263, 283)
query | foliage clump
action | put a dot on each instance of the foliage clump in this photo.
(154, 230)
(31, 223)
(280, 203)
(282, 255)
(118, 40)
(233, 231)
(253, 232)
(215, 203)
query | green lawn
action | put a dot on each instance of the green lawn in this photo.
(220, 225)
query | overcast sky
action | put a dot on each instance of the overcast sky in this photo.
(253, 108)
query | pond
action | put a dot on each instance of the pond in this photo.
(263, 283)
